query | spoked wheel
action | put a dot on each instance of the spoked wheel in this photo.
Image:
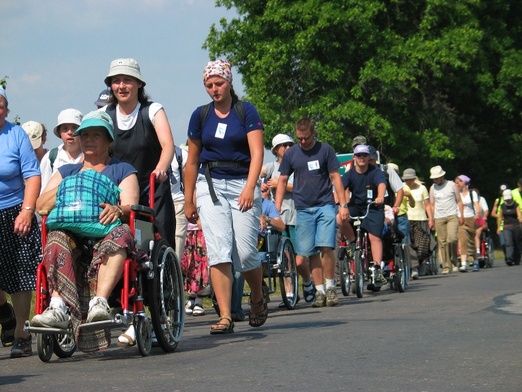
(288, 278)
(44, 345)
(64, 344)
(399, 276)
(359, 274)
(166, 300)
(491, 253)
(344, 273)
(143, 335)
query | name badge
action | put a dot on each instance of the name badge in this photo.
(313, 165)
(221, 130)
(369, 194)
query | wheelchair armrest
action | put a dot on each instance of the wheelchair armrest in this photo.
(142, 209)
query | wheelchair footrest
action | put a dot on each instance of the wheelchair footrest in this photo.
(49, 331)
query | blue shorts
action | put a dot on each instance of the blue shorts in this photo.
(315, 228)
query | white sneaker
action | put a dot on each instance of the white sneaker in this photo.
(51, 318)
(98, 311)
(463, 267)
(415, 274)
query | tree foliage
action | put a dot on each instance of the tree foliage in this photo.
(427, 81)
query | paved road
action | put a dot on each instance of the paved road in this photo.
(459, 332)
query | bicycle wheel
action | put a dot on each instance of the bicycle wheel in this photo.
(344, 274)
(490, 253)
(359, 274)
(288, 277)
(166, 291)
(399, 276)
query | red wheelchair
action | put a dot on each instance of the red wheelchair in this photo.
(151, 293)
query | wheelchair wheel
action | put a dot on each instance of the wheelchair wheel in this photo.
(45, 346)
(344, 273)
(399, 276)
(143, 335)
(288, 277)
(64, 344)
(166, 301)
(359, 274)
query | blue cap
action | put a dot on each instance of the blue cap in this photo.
(97, 118)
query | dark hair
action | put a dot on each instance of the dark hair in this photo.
(305, 124)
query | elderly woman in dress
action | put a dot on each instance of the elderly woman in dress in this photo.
(70, 294)
(20, 244)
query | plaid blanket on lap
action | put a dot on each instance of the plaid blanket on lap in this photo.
(78, 204)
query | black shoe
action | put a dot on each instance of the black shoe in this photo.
(309, 295)
(22, 348)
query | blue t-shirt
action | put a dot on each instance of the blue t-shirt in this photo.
(360, 183)
(17, 163)
(311, 168)
(225, 139)
(116, 171)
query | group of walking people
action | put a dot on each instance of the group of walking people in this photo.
(214, 190)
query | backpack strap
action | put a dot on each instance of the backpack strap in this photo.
(238, 106)
(52, 157)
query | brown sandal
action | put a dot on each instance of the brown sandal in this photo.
(222, 328)
(259, 318)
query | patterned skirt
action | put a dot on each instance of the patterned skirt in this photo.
(420, 238)
(194, 262)
(19, 256)
(72, 264)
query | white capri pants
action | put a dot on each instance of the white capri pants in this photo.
(230, 235)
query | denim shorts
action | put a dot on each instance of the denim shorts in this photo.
(315, 228)
(230, 234)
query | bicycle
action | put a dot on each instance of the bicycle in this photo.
(360, 255)
(487, 250)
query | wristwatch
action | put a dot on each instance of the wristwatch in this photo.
(344, 205)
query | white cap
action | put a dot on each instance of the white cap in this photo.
(507, 195)
(35, 132)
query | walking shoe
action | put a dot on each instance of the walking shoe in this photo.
(476, 266)
(445, 271)
(22, 348)
(455, 269)
(282, 305)
(189, 307)
(98, 311)
(309, 295)
(463, 267)
(331, 297)
(415, 274)
(51, 318)
(198, 310)
(320, 300)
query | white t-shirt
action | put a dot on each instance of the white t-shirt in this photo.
(62, 158)
(175, 183)
(469, 208)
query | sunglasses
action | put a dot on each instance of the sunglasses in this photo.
(362, 155)
(286, 145)
(305, 138)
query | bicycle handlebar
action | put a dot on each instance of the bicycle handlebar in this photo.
(365, 215)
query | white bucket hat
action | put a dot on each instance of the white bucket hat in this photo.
(129, 67)
(68, 116)
(436, 172)
(280, 139)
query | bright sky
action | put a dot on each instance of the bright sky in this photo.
(57, 53)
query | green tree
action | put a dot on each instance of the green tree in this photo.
(427, 81)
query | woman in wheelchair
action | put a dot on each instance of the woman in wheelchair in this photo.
(87, 242)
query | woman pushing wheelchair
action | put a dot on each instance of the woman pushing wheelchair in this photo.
(87, 242)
